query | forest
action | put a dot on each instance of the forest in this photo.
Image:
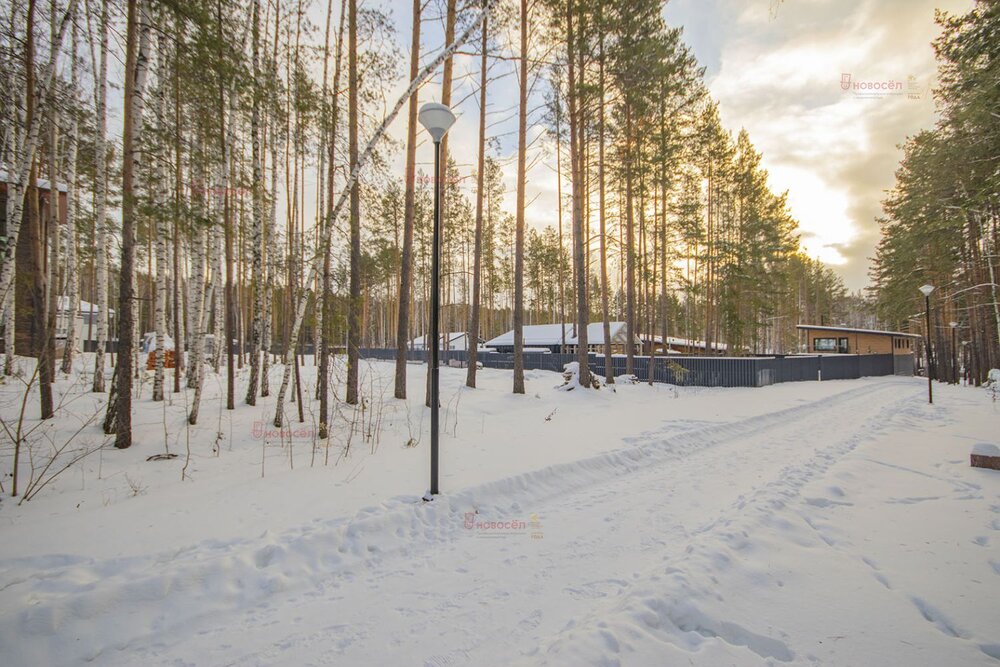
(248, 172)
(941, 221)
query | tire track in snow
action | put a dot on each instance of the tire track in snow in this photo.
(474, 604)
(665, 603)
(136, 600)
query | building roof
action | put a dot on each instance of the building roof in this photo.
(875, 332)
(62, 305)
(673, 340)
(539, 335)
(42, 183)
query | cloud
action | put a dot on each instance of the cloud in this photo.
(777, 73)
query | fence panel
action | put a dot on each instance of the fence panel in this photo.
(683, 371)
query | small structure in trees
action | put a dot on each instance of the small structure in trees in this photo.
(25, 265)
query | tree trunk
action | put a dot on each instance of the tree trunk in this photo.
(522, 132)
(101, 207)
(629, 249)
(136, 66)
(162, 233)
(72, 281)
(576, 131)
(327, 295)
(609, 373)
(354, 305)
(256, 240)
(472, 337)
(406, 261)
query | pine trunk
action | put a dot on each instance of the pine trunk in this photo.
(406, 261)
(472, 336)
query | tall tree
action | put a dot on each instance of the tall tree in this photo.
(472, 339)
(101, 203)
(136, 66)
(354, 305)
(256, 236)
(522, 133)
(406, 260)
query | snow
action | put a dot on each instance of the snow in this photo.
(985, 449)
(832, 523)
(148, 343)
(41, 183)
(85, 306)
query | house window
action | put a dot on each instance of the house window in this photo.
(824, 344)
(843, 347)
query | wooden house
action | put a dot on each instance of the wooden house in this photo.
(27, 264)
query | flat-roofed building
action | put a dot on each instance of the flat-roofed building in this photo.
(820, 339)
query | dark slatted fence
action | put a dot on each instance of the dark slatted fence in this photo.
(689, 371)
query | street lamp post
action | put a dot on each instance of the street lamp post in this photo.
(954, 351)
(926, 291)
(436, 119)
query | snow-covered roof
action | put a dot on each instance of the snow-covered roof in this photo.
(42, 183)
(686, 342)
(876, 332)
(85, 306)
(536, 335)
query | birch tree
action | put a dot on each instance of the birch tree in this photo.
(101, 203)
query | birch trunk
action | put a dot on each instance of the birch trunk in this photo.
(256, 241)
(101, 206)
(162, 233)
(198, 318)
(72, 281)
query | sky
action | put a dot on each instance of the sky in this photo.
(776, 67)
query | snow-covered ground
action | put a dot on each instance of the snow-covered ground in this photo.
(834, 523)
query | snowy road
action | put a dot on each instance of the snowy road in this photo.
(767, 540)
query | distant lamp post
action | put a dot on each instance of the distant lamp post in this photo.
(926, 291)
(954, 352)
(436, 119)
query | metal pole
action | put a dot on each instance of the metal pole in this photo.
(435, 305)
(930, 363)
